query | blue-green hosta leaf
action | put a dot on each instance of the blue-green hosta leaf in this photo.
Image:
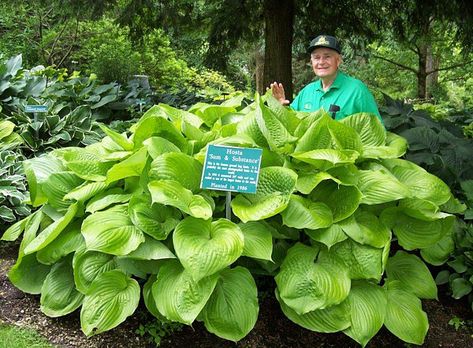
(205, 247)
(327, 133)
(155, 220)
(413, 233)
(276, 134)
(367, 302)
(179, 167)
(380, 186)
(37, 171)
(370, 129)
(67, 242)
(152, 125)
(105, 199)
(307, 182)
(421, 183)
(112, 297)
(57, 185)
(6, 128)
(272, 195)
(178, 296)
(440, 252)
(342, 200)
(413, 274)
(362, 261)
(88, 265)
(331, 319)
(51, 232)
(119, 139)
(306, 283)
(86, 191)
(232, 310)
(132, 166)
(396, 146)
(404, 315)
(86, 164)
(365, 228)
(422, 209)
(328, 236)
(58, 293)
(158, 146)
(171, 192)
(304, 213)
(258, 240)
(111, 231)
(324, 159)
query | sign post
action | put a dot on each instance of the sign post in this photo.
(231, 169)
(35, 109)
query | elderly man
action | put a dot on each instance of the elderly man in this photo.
(339, 94)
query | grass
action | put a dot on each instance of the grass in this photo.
(16, 337)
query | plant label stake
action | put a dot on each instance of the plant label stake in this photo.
(231, 169)
(35, 109)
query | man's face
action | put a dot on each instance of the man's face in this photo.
(325, 62)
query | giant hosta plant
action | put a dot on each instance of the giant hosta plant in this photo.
(332, 198)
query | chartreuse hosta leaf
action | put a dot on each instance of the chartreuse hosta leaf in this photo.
(204, 247)
(422, 209)
(396, 146)
(210, 113)
(149, 299)
(86, 164)
(328, 236)
(157, 146)
(58, 293)
(179, 167)
(413, 274)
(422, 184)
(323, 159)
(179, 116)
(414, 233)
(232, 310)
(341, 199)
(380, 186)
(151, 249)
(178, 296)
(51, 232)
(367, 303)
(171, 192)
(57, 185)
(258, 240)
(331, 319)
(131, 166)
(27, 274)
(276, 134)
(155, 220)
(111, 231)
(365, 228)
(37, 171)
(88, 265)
(327, 133)
(105, 199)
(404, 315)
(68, 241)
(86, 191)
(370, 129)
(304, 213)
(272, 195)
(307, 182)
(112, 297)
(6, 128)
(307, 282)
(440, 252)
(362, 261)
(248, 126)
(119, 139)
(151, 125)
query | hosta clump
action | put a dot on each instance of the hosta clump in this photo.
(129, 212)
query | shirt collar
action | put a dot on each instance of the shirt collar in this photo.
(335, 85)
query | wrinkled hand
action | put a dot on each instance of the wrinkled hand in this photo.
(278, 92)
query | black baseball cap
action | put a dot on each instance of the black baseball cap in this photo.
(324, 41)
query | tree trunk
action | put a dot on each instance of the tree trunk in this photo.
(422, 73)
(279, 20)
(432, 78)
(259, 71)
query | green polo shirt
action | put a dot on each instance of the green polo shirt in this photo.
(349, 94)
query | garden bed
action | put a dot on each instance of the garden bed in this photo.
(272, 329)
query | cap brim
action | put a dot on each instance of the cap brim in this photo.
(311, 48)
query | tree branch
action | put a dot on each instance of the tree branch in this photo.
(405, 67)
(450, 67)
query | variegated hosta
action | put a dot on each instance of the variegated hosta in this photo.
(129, 211)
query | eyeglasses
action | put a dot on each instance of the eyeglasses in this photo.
(317, 59)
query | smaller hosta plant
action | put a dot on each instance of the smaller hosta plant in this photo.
(128, 213)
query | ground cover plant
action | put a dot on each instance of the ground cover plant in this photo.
(338, 220)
